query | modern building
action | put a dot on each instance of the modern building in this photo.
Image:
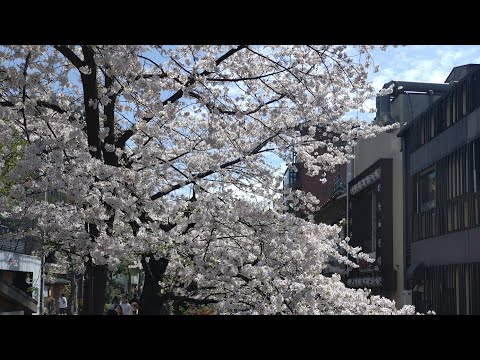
(20, 275)
(23, 287)
(441, 149)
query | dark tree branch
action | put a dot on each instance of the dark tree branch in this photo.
(212, 108)
(276, 63)
(70, 55)
(55, 136)
(51, 106)
(90, 93)
(243, 277)
(109, 111)
(24, 94)
(210, 172)
(191, 80)
(246, 78)
(191, 300)
(7, 104)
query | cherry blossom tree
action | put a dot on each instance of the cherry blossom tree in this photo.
(163, 155)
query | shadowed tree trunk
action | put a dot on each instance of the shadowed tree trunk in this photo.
(94, 289)
(72, 301)
(152, 301)
(96, 275)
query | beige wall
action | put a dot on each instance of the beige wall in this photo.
(368, 151)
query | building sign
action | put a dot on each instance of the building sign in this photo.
(371, 226)
(366, 281)
(13, 262)
(366, 181)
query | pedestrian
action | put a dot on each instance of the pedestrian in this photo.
(114, 302)
(134, 306)
(118, 309)
(62, 304)
(134, 299)
(126, 308)
(135, 303)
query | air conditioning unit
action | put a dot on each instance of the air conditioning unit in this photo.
(406, 297)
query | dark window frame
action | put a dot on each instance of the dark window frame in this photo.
(420, 192)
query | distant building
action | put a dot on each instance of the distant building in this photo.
(20, 275)
(23, 288)
(299, 180)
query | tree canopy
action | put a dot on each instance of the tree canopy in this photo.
(164, 154)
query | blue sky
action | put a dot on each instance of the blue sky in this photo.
(422, 63)
(425, 63)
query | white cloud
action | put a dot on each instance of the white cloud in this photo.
(423, 63)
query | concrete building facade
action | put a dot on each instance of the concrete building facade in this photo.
(442, 201)
(20, 288)
(375, 218)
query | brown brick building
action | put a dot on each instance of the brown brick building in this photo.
(324, 192)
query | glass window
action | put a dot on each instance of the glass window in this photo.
(476, 165)
(427, 190)
(289, 179)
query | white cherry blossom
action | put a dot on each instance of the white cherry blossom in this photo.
(159, 152)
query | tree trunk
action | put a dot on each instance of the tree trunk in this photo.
(95, 284)
(129, 282)
(94, 289)
(72, 301)
(152, 301)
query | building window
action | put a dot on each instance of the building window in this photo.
(290, 179)
(426, 189)
(476, 166)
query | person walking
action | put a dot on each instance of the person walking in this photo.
(135, 304)
(135, 307)
(118, 309)
(114, 302)
(62, 304)
(126, 308)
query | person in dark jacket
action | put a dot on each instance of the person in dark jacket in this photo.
(111, 312)
(135, 303)
(115, 301)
